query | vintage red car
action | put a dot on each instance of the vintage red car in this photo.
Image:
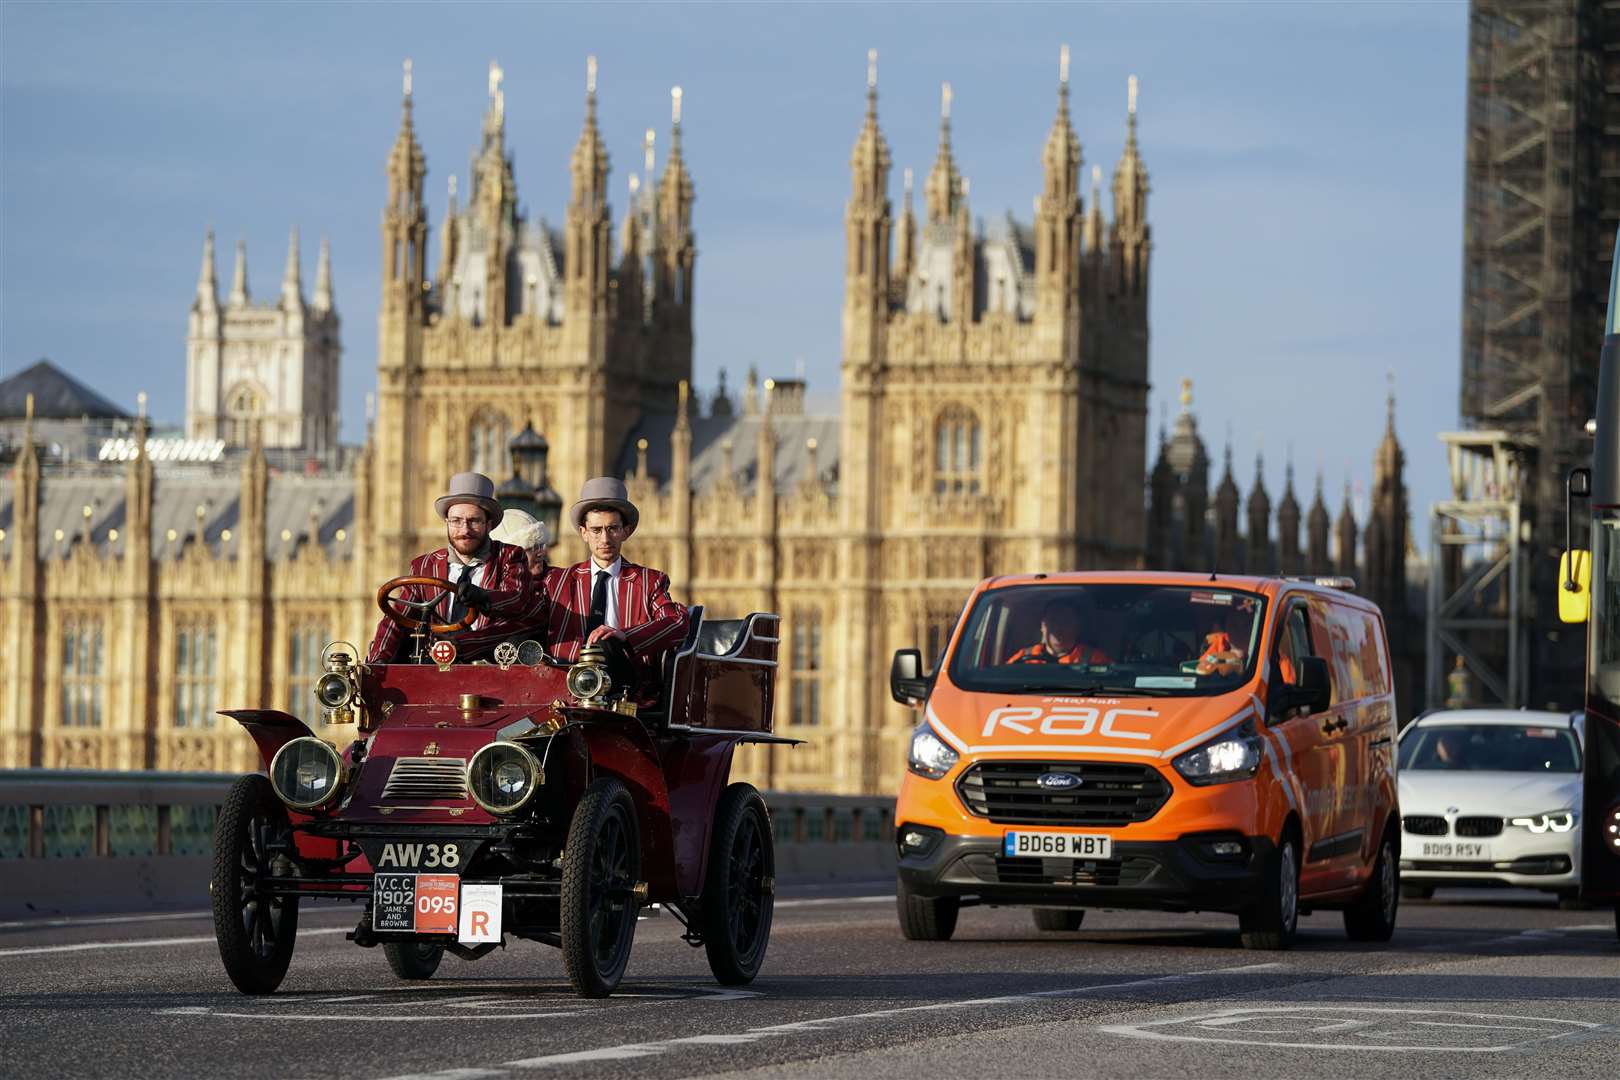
(523, 798)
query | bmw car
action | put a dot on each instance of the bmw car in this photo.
(1490, 797)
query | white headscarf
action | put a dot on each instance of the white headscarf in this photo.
(521, 530)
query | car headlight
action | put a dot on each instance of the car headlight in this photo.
(1231, 755)
(333, 690)
(503, 776)
(306, 773)
(929, 755)
(1550, 821)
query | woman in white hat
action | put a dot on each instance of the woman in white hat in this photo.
(521, 530)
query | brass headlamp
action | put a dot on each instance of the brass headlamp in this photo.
(588, 679)
(338, 688)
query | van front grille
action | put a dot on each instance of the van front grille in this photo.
(427, 778)
(1425, 825)
(1105, 873)
(1108, 793)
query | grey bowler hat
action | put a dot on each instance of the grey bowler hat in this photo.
(605, 491)
(470, 487)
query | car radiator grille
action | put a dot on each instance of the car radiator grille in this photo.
(1479, 826)
(1107, 873)
(1425, 825)
(427, 778)
(1108, 793)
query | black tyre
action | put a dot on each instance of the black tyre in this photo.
(1372, 916)
(1617, 920)
(255, 931)
(413, 960)
(739, 887)
(1052, 918)
(1417, 892)
(601, 867)
(926, 918)
(1270, 923)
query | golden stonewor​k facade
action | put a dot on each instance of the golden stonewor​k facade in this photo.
(994, 419)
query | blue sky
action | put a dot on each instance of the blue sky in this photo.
(1306, 164)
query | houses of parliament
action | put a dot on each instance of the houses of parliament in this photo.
(994, 418)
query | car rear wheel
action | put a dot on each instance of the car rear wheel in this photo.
(413, 960)
(601, 868)
(1271, 921)
(739, 895)
(926, 918)
(1047, 918)
(1372, 916)
(255, 931)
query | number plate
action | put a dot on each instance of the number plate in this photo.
(1455, 849)
(1058, 845)
(415, 903)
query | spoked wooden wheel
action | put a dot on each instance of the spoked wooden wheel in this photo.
(739, 896)
(255, 930)
(601, 868)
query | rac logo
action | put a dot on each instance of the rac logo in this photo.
(1069, 721)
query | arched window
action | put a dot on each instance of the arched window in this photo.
(244, 407)
(487, 436)
(958, 458)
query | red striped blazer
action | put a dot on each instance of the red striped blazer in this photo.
(651, 621)
(517, 608)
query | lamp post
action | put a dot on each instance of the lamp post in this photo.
(528, 488)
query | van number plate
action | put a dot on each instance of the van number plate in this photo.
(1058, 845)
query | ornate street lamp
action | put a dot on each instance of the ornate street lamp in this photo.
(528, 488)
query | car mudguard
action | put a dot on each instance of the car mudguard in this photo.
(271, 729)
(621, 747)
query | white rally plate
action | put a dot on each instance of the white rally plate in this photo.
(1054, 845)
(1455, 849)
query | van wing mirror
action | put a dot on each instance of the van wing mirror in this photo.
(1313, 692)
(907, 684)
(1574, 586)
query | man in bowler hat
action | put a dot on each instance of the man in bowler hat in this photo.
(491, 579)
(607, 600)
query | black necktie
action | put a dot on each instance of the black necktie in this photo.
(598, 602)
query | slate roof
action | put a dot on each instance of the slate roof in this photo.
(57, 396)
(709, 435)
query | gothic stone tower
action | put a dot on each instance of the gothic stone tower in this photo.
(526, 324)
(994, 387)
(271, 366)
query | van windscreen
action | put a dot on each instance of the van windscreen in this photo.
(1135, 639)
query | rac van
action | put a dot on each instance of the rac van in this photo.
(1164, 741)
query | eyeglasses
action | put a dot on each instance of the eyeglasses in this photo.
(467, 523)
(600, 531)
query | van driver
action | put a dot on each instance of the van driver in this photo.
(1060, 639)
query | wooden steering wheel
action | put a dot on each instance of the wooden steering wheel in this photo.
(386, 601)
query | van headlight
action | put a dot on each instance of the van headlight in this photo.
(503, 776)
(306, 773)
(1550, 821)
(929, 756)
(1231, 755)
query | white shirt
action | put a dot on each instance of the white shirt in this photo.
(611, 618)
(480, 572)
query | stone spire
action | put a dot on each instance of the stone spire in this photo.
(207, 284)
(1058, 219)
(944, 183)
(1288, 561)
(1317, 528)
(1347, 531)
(1132, 236)
(675, 240)
(1258, 553)
(631, 301)
(1387, 530)
(404, 224)
(867, 225)
(292, 280)
(906, 244)
(323, 279)
(239, 283)
(1226, 519)
(493, 201)
(1094, 217)
(589, 227)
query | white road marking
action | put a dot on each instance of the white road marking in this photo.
(414, 1018)
(1336, 1025)
(100, 920)
(453, 1074)
(780, 904)
(143, 943)
(625, 1051)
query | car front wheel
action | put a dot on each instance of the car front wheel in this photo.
(413, 960)
(1372, 916)
(926, 918)
(1271, 921)
(255, 930)
(739, 895)
(601, 868)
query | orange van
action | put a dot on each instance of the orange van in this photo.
(1178, 742)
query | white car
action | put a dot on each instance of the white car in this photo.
(1490, 797)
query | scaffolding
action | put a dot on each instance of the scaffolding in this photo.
(1478, 574)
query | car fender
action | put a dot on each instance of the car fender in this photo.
(625, 750)
(271, 729)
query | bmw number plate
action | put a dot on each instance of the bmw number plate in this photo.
(1455, 849)
(1058, 845)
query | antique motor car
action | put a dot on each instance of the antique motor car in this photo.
(524, 798)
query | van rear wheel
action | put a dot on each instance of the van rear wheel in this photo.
(926, 918)
(1270, 922)
(1372, 916)
(1059, 919)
